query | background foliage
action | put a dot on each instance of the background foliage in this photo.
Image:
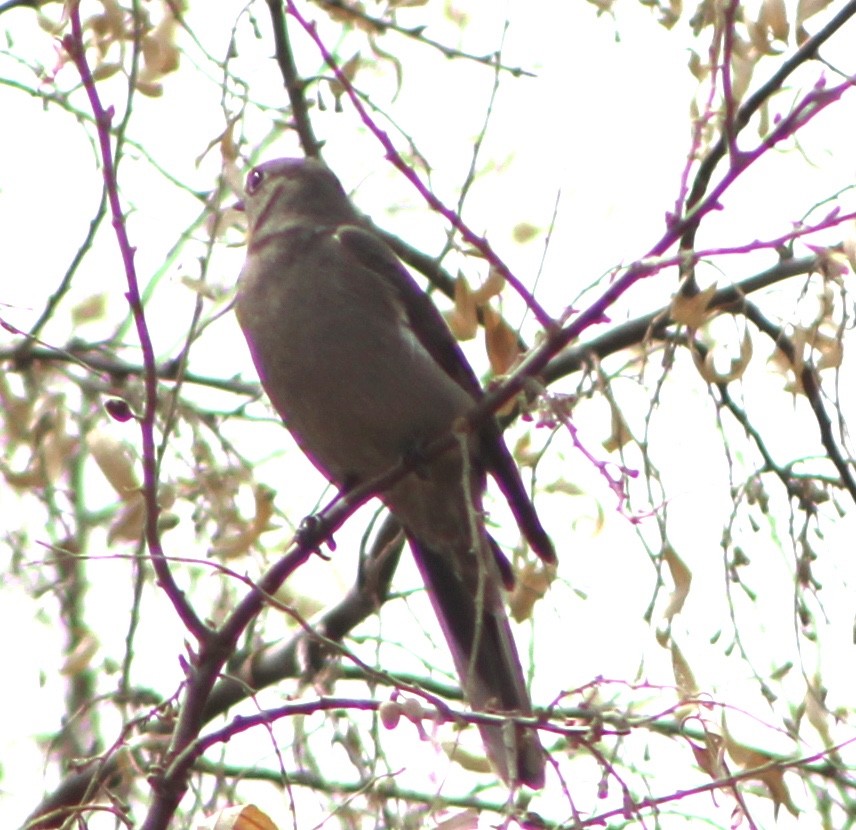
(639, 219)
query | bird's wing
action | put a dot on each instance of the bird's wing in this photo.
(434, 335)
(425, 321)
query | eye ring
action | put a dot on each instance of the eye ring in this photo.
(254, 180)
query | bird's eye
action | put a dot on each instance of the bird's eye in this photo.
(254, 181)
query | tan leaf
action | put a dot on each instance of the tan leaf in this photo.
(816, 711)
(490, 288)
(524, 232)
(770, 774)
(17, 411)
(708, 371)
(149, 88)
(92, 308)
(682, 577)
(774, 15)
(239, 543)
(32, 476)
(620, 434)
(57, 447)
(80, 657)
(692, 311)
(228, 148)
(531, 583)
(849, 247)
(464, 758)
(698, 69)
(463, 318)
(684, 677)
(743, 65)
(831, 351)
(500, 342)
(128, 525)
(52, 27)
(349, 69)
(240, 817)
(199, 286)
(465, 820)
(114, 460)
(807, 9)
(105, 70)
(562, 485)
(160, 53)
(709, 755)
(760, 36)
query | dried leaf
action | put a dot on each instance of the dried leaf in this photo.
(620, 434)
(18, 412)
(531, 583)
(148, 88)
(240, 817)
(774, 15)
(524, 232)
(831, 351)
(682, 577)
(849, 247)
(500, 342)
(490, 288)
(239, 543)
(684, 677)
(463, 318)
(464, 758)
(770, 775)
(160, 53)
(128, 525)
(805, 10)
(57, 447)
(743, 63)
(564, 486)
(708, 371)
(199, 286)
(692, 311)
(115, 461)
(105, 70)
(92, 308)
(710, 756)
(465, 820)
(816, 711)
(80, 657)
(349, 70)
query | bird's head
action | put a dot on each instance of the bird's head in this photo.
(288, 191)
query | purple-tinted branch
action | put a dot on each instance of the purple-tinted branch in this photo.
(556, 339)
(478, 242)
(728, 781)
(753, 104)
(170, 787)
(805, 110)
(443, 714)
(75, 45)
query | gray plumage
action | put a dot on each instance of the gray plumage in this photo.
(364, 372)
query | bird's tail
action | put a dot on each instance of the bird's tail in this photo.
(468, 602)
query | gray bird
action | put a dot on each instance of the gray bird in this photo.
(361, 367)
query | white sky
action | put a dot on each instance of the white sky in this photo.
(604, 126)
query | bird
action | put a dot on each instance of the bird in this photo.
(358, 362)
